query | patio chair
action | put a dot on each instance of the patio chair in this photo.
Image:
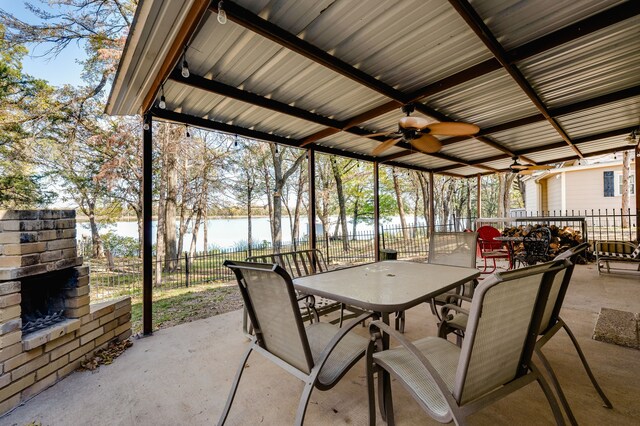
(298, 264)
(552, 323)
(319, 354)
(456, 322)
(488, 248)
(451, 383)
(453, 249)
(536, 247)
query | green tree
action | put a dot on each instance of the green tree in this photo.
(23, 99)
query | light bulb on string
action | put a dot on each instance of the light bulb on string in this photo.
(163, 103)
(235, 143)
(187, 129)
(222, 15)
(185, 66)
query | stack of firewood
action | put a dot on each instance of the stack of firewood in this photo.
(562, 239)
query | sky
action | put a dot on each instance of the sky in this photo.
(59, 70)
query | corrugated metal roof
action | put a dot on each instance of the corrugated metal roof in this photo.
(470, 149)
(529, 136)
(611, 116)
(603, 144)
(599, 63)
(486, 101)
(406, 45)
(516, 22)
(552, 154)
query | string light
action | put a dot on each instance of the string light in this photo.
(185, 65)
(187, 129)
(222, 15)
(163, 103)
(235, 143)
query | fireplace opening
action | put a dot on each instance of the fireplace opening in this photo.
(43, 299)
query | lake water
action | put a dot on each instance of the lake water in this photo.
(227, 233)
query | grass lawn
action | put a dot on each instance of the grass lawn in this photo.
(177, 306)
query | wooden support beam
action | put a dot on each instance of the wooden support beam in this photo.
(475, 22)
(522, 153)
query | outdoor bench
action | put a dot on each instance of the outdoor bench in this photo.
(616, 251)
(301, 263)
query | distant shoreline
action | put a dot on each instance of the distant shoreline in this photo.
(83, 219)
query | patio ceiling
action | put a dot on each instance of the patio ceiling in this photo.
(546, 81)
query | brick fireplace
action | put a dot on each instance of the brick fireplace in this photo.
(47, 325)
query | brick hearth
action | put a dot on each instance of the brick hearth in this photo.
(34, 243)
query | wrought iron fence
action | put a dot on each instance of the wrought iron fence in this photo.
(596, 224)
(117, 277)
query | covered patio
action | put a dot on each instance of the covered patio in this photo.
(182, 375)
(543, 83)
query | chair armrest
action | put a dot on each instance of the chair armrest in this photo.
(451, 307)
(442, 386)
(324, 356)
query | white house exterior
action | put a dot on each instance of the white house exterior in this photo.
(579, 188)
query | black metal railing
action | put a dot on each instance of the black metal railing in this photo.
(117, 277)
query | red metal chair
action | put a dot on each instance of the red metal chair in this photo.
(488, 248)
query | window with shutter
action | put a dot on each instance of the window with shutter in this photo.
(609, 185)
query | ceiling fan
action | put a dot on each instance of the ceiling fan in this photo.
(419, 133)
(525, 169)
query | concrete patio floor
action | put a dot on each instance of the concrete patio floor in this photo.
(181, 376)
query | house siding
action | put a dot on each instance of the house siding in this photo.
(583, 192)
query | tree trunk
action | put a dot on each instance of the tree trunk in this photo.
(626, 205)
(280, 178)
(424, 189)
(355, 219)
(194, 234)
(295, 230)
(205, 228)
(403, 220)
(337, 175)
(97, 250)
(160, 229)
(171, 166)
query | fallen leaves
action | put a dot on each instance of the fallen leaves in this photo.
(106, 355)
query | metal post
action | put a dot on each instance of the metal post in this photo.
(376, 210)
(432, 212)
(637, 189)
(147, 261)
(186, 268)
(479, 196)
(311, 174)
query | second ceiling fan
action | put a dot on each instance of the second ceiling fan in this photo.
(525, 169)
(420, 134)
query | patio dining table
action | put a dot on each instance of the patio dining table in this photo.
(385, 287)
(510, 243)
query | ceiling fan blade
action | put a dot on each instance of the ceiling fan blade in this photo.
(539, 167)
(427, 143)
(384, 146)
(371, 135)
(526, 172)
(413, 122)
(453, 129)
